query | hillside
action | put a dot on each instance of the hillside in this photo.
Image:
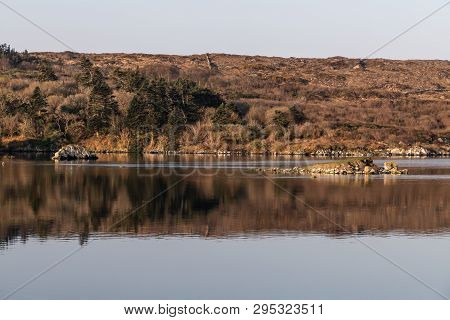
(234, 103)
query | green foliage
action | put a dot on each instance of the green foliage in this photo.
(296, 115)
(11, 105)
(85, 77)
(130, 80)
(255, 132)
(37, 103)
(205, 97)
(157, 107)
(241, 108)
(155, 100)
(102, 105)
(143, 115)
(225, 114)
(46, 72)
(181, 96)
(13, 57)
(37, 111)
(175, 125)
(281, 119)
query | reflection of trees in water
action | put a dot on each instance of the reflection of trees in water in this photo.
(62, 200)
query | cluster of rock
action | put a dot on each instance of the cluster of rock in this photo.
(74, 152)
(340, 153)
(343, 167)
(416, 151)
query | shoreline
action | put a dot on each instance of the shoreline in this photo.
(343, 154)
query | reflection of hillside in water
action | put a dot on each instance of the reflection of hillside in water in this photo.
(46, 200)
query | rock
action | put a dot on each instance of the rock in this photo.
(341, 167)
(361, 65)
(391, 165)
(412, 151)
(74, 152)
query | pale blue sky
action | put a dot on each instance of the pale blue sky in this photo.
(301, 28)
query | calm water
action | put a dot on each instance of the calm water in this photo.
(209, 228)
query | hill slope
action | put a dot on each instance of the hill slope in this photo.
(388, 105)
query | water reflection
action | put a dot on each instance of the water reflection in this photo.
(41, 199)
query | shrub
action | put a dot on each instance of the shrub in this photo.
(46, 72)
(224, 115)
(12, 56)
(281, 119)
(296, 115)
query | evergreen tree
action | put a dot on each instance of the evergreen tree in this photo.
(141, 114)
(296, 115)
(102, 105)
(46, 72)
(130, 80)
(281, 119)
(14, 58)
(157, 94)
(37, 103)
(204, 97)
(225, 114)
(85, 77)
(176, 120)
(37, 109)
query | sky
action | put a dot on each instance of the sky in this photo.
(286, 28)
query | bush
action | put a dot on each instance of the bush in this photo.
(296, 115)
(225, 114)
(206, 98)
(281, 119)
(46, 72)
(12, 56)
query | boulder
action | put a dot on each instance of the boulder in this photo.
(412, 151)
(363, 165)
(74, 152)
(391, 165)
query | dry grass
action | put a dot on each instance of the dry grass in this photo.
(392, 103)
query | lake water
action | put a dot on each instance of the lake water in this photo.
(200, 227)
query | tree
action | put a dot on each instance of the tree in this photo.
(12, 56)
(85, 77)
(280, 119)
(102, 105)
(46, 72)
(175, 125)
(37, 109)
(191, 99)
(130, 80)
(142, 114)
(296, 115)
(225, 114)
(204, 97)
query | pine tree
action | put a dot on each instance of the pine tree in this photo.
(46, 72)
(296, 115)
(37, 108)
(102, 105)
(176, 120)
(85, 77)
(224, 115)
(14, 58)
(38, 103)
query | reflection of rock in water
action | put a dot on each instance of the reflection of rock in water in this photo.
(79, 200)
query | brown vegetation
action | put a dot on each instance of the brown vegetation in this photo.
(389, 104)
